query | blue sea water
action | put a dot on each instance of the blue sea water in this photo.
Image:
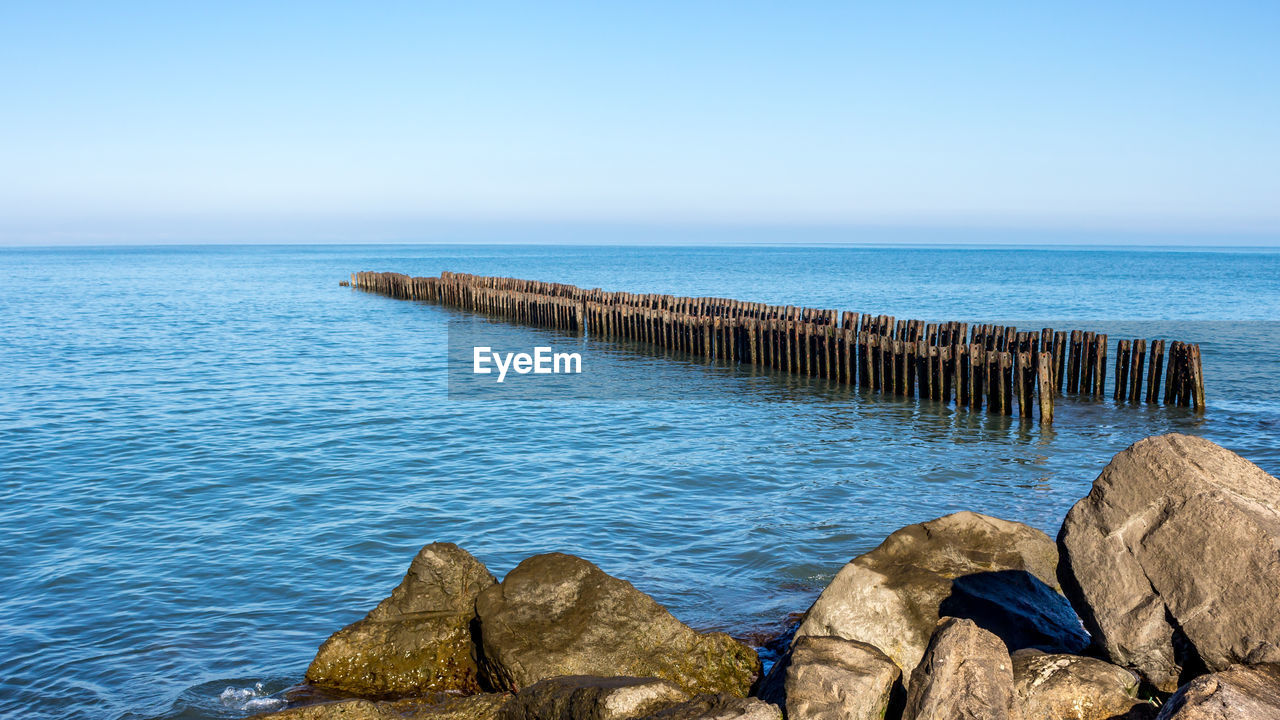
(213, 457)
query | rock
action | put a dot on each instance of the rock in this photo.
(1000, 574)
(830, 678)
(558, 615)
(487, 706)
(345, 710)
(1171, 559)
(965, 673)
(416, 641)
(583, 697)
(1071, 687)
(435, 707)
(1237, 693)
(719, 707)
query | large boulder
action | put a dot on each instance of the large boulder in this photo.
(416, 641)
(582, 697)
(1171, 560)
(434, 707)
(1071, 687)
(830, 678)
(1237, 693)
(965, 673)
(719, 707)
(557, 615)
(1000, 574)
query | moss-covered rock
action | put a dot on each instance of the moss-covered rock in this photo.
(558, 615)
(416, 641)
(434, 707)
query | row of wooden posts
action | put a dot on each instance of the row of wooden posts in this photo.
(1006, 370)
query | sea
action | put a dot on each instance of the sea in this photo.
(213, 457)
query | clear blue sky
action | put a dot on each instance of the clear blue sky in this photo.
(268, 120)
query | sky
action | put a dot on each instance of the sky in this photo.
(277, 121)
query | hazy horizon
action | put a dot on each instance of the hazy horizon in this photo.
(1147, 124)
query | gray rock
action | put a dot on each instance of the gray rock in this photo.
(1071, 687)
(1171, 560)
(965, 673)
(416, 641)
(580, 697)
(830, 678)
(1000, 574)
(1237, 693)
(720, 707)
(558, 615)
(435, 707)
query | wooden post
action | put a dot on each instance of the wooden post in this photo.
(1122, 371)
(1006, 384)
(909, 365)
(850, 354)
(1171, 377)
(924, 378)
(1073, 369)
(1154, 369)
(1100, 366)
(1021, 372)
(893, 359)
(1088, 362)
(977, 365)
(1197, 377)
(872, 353)
(1184, 375)
(995, 384)
(944, 369)
(1137, 359)
(1047, 389)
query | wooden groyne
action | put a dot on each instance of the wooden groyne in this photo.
(975, 366)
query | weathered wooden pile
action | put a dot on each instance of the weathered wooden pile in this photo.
(1006, 370)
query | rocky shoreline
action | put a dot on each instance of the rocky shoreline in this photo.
(1160, 598)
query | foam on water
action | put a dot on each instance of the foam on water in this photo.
(250, 700)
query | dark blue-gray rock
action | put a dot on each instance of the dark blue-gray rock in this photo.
(559, 615)
(965, 673)
(579, 697)
(1237, 693)
(416, 641)
(830, 678)
(1001, 575)
(1173, 560)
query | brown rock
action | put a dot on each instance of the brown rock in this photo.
(965, 673)
(1071, 687)
(1171, 559)
(416, 641)
(559, 615)
(1237, 693)
(436, 707)
(830, 678)
(719, 707)
(581, 697)
(1000, 574)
